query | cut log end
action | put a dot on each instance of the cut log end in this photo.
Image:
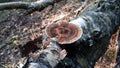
(65, 33)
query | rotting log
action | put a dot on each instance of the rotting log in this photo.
(98, 23)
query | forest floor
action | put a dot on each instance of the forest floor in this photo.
(18, 31)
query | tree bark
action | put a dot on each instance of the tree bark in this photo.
(47, 58)
(98, 23)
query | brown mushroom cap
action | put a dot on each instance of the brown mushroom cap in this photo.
(66, 33)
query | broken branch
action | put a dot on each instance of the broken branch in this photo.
(35, 6)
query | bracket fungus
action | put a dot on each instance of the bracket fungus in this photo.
(64, 33)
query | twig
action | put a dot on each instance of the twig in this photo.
(29, 6)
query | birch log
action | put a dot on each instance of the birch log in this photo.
(98, 23)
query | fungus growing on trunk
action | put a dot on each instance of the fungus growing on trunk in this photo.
(65, 33)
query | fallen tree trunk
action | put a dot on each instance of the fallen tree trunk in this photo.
(98, 23)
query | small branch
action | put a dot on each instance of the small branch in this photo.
(15, 5)
(29, 6)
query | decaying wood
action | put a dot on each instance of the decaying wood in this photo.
(98, 23)
(110, 58)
